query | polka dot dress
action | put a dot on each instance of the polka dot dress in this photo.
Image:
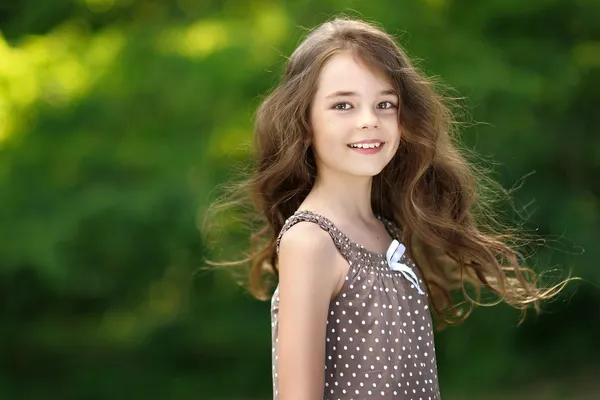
(379, 334)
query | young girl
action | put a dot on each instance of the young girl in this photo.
(372, 220)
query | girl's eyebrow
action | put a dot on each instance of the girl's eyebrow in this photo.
(346, 93)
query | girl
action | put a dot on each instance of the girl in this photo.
(372, 219)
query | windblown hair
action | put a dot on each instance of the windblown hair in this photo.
(441, 202)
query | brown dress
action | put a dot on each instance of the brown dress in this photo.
(379, 334)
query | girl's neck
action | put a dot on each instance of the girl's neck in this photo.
(347, 198)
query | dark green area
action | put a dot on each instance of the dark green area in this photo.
(118, 118)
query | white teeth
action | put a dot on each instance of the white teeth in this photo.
(365, 145)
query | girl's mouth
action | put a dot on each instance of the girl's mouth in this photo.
(367, 148)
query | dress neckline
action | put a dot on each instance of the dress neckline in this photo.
(356, 245)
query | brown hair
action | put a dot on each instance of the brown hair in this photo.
(442, 202)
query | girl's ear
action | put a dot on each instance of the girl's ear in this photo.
(308, 137)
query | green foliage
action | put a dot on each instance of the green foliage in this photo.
(119, 117)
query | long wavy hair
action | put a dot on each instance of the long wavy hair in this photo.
(442, 202)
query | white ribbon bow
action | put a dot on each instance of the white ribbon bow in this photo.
(393, 255)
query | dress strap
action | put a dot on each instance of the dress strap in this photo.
(339, 239)
(392, 228)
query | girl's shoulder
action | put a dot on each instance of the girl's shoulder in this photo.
(350, 250)
(317, 223)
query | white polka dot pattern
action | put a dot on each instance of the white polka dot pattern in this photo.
(379, 334)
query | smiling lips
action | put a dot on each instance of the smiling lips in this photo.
(367, 146)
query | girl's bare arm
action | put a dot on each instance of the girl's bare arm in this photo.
(310, 270)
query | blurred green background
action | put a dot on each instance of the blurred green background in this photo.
(118, 118)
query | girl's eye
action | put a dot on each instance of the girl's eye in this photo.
(342, 106)
(386, 105)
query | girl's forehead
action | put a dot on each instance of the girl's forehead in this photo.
(347, 71)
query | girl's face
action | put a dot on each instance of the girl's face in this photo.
(354, 118)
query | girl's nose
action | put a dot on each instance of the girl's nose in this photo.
(368, 120)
